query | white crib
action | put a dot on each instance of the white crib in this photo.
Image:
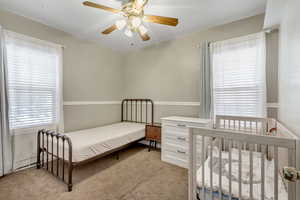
(242, 158)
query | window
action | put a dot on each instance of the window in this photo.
(34, 69)
(239, 83)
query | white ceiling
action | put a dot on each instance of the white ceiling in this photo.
(87, 23)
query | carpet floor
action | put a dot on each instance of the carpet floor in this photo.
(137, 175)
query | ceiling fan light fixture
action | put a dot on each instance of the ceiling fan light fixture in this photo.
(128, 32)
(136, 22)
(133, 12)
(140, 3)
(143, 30)
(121, 24)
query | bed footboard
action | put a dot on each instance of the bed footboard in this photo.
(54, 154)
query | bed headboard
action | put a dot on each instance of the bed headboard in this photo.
(137, 110)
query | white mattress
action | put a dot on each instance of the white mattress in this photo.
(269, 175)
(95, 141)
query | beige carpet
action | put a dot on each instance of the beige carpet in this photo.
(138, 175)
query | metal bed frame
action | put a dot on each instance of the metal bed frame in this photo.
(62, 168)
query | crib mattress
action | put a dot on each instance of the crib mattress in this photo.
(92, 142)
(269, 175)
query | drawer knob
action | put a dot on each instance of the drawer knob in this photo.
(181, 125)
(181, 138)
(182, 152)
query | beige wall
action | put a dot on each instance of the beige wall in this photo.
(289, 67)
(272, 48)
(170, 71)
(87, 116)
(272, 40)
(91, 72)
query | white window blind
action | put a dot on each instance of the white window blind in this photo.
(239, 79)
(33, 81)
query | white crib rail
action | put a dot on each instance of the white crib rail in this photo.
(245, 124)
(253, 125)
(241, 138)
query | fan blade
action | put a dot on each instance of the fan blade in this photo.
(145, 37)
(109, 30)
(94, 5)
(161, 20)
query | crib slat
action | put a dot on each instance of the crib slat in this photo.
(203, 167)
(193, 165)
(240, 171)
(211, 171)
(276, 172)
(262, 172)
(251, 171)
(256, 126)
(220, 168)
(230, 163)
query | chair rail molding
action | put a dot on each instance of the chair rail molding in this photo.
(157, 103)
(79, 103)
(161, 103)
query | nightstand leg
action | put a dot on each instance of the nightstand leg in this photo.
(150, 142)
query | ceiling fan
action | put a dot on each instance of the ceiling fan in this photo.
(133, 12)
